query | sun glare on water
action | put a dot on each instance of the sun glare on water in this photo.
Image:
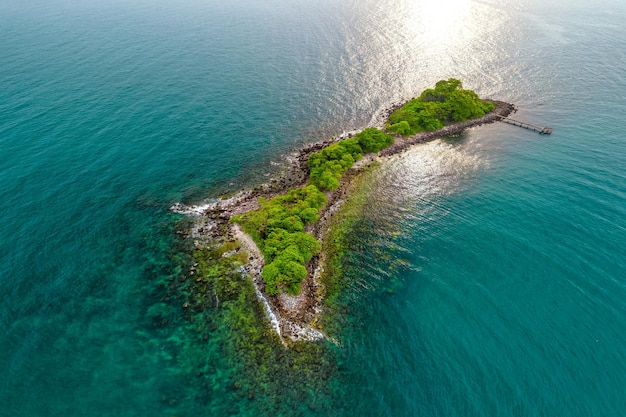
(441, 22)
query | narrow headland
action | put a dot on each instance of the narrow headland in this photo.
(294, 308)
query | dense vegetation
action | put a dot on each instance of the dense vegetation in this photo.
(328, 165)
(278, 229)
(447, 103)
(278, 226)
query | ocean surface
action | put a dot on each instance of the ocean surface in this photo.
(486, 278)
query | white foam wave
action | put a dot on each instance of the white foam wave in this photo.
(273, 319)
(195, 210)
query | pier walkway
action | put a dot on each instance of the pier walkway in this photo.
(541, 129)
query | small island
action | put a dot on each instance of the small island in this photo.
(273, 234)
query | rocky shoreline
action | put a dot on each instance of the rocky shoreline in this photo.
(296, 318)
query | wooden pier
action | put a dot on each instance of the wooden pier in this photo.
(541, 129)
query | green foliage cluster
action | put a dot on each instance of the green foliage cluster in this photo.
(373, 140)
(447, 103)
(328, 165)
(278, 229)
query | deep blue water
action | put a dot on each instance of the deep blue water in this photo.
(498, 284)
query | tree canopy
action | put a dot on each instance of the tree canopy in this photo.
(328, 165)
(278, 229)
(436, 107)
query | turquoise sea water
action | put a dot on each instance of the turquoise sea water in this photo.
(486, 278)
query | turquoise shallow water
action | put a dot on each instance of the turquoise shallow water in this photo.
(487, 278)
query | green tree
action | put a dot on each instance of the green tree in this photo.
(373, 140)
(448, 102)
(401, 128)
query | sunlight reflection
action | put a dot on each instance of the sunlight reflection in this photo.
(440, 23)
(411, 185)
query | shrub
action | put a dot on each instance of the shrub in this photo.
(401, 128)
(328, 165)
(373, 140)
